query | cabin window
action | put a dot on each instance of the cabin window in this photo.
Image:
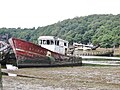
(48, 42)
(56, 42)
(44, 42)
(51, 42)
(40, 41)
(65, 44)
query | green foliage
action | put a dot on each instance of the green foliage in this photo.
(98, 29)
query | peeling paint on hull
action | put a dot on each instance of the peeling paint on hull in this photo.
(29, 54)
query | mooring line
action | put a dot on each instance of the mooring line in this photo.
(26, 76)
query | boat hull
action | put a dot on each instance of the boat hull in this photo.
(29, 54)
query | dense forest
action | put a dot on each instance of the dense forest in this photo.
(97, 29)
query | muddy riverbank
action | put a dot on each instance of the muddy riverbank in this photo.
(64, 78)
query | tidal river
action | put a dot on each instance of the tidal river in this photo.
(100, 60)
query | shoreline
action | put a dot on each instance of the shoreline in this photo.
(65, 78)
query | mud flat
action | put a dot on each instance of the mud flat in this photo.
(64, 78)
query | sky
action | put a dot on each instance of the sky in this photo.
(37, 13)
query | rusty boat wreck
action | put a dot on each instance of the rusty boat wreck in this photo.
(50, 51)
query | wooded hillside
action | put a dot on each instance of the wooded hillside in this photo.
(97, 29)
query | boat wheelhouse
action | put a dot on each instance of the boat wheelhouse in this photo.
(54, 44)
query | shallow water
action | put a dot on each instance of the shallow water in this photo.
(100, 57)
(100, 60)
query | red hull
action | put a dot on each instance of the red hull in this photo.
(29, 54)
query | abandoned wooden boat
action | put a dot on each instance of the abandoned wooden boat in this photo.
(51, 51)
(83, 47)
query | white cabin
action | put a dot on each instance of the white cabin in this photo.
(82, 46)
(54, 44)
